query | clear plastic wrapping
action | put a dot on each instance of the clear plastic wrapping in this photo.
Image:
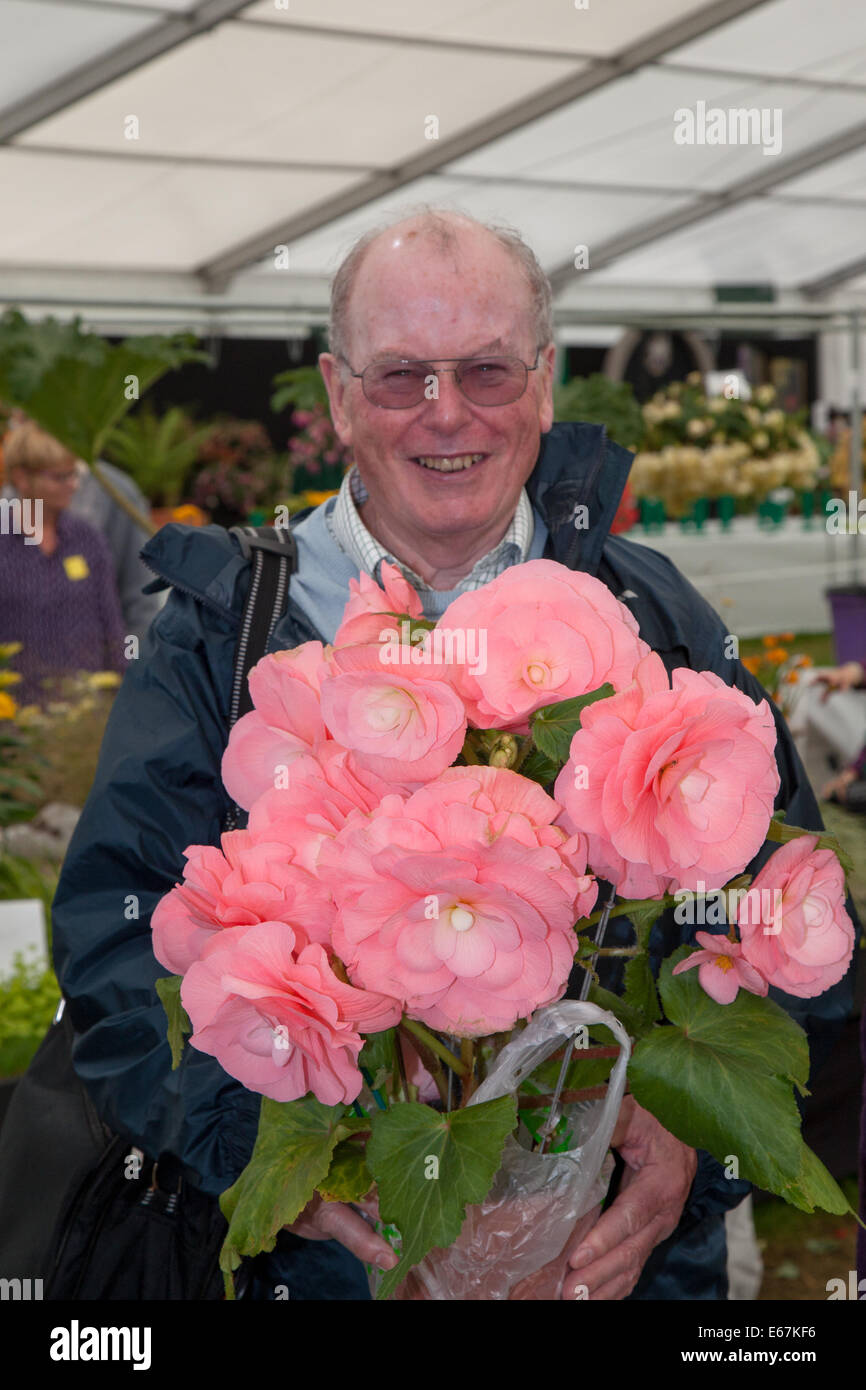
(540, 1205)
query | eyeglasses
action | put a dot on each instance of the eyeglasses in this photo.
(402, 384)
(48, 476)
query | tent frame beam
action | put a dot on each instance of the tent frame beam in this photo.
(216, 273)
(815, 288)
(756, 184)
(291, 166)
(117, 62)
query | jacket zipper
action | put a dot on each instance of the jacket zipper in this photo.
(244, 640)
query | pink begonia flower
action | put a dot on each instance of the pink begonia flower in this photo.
(314, 800)
(277, 1018)
(251, 878)
(804, 943)
(370, 607)
(286, 720)
(546, 634)
(403, 723)
(671, 786)
(722, 969)
(461, 900)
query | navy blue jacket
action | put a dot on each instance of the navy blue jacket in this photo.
(158, 789)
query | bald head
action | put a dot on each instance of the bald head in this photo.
(449, 243)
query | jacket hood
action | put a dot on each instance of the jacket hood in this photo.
(577, 466)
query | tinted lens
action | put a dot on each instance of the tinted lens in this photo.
(492, 380)
(396, 384)
(484, 380)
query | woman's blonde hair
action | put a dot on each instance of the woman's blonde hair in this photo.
(29, 447)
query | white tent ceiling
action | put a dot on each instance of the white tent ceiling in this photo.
(302, 122)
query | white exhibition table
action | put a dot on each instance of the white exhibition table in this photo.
(759, 580)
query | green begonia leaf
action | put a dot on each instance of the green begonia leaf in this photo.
(554, 726)
(428, 1165)
(349, 1179)
(720, 1078)
(292, 1155)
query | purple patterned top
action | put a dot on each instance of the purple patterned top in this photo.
(62, 607)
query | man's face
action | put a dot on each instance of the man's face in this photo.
(411, 301)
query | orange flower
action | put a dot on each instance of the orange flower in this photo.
(792, 678)
(752, 663)
(786, 636)
(315, 499)
(189, 514)
(769, 641)
(804, 661)
(777, 655)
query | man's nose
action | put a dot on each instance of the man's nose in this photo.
(447, 406)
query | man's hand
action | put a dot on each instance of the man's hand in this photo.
(338, 1221)
(847, 677)
(654, 1189)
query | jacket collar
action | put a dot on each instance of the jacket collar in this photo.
(577, 466)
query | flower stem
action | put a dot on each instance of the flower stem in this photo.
(625, 908)
(429, 1060)
(467, 1056)
(429, 1040)
(618, 951)
(401, 1067)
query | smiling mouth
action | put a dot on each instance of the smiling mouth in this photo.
(443, 463)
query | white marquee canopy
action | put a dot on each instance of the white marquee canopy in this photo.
(155, 153)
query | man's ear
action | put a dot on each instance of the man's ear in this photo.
(336, 386)
(546, 361)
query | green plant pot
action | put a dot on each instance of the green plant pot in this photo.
(807, 509)
(771, 515)
(652, 515)
(695, 518)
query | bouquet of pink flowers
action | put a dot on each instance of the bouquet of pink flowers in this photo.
(430, 807)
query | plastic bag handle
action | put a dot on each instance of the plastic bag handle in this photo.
(549, 1029)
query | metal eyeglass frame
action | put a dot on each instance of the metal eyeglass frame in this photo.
(415, 361)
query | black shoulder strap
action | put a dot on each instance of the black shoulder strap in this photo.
(274, 555)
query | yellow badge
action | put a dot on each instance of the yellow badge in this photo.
(76, 567)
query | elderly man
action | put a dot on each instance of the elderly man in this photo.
(440, 381)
